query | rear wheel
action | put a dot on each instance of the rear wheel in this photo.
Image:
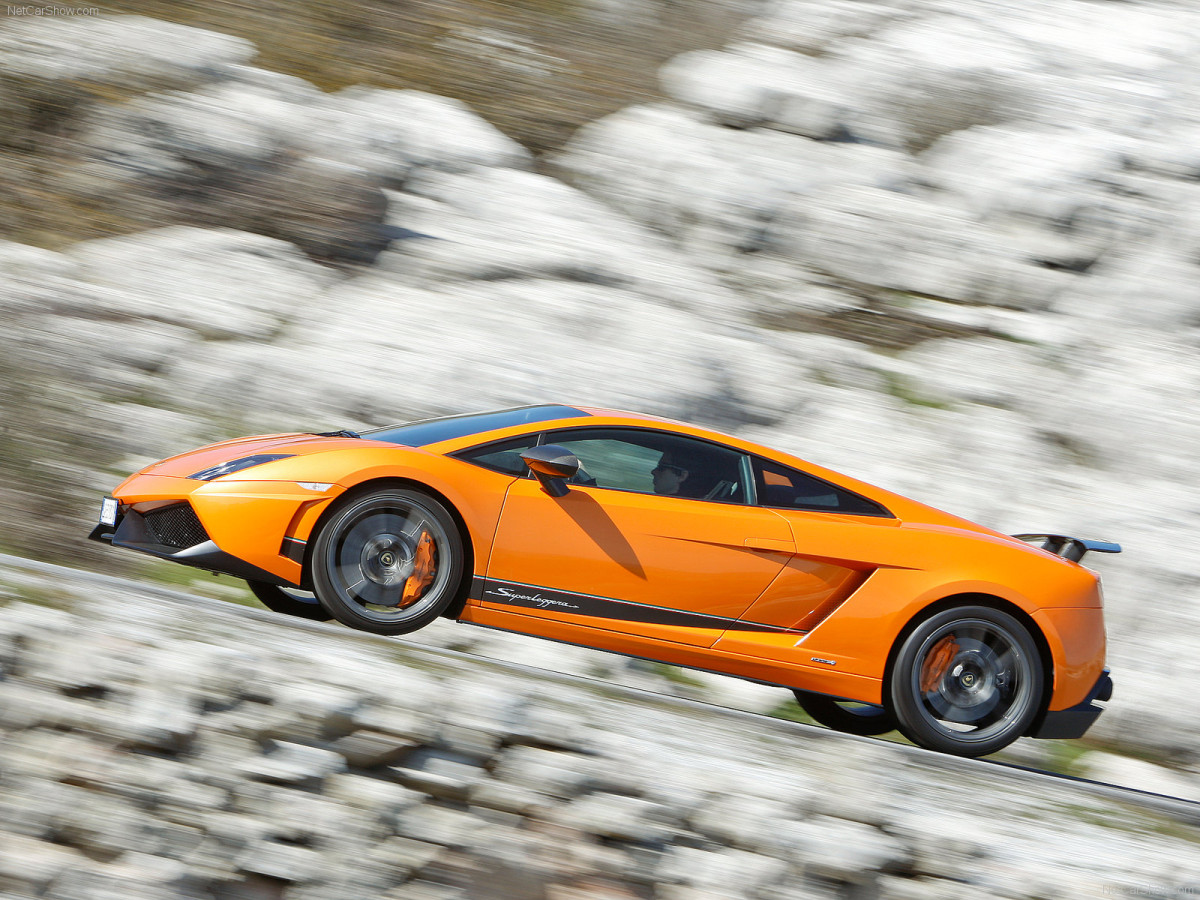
(846, 715)
(967, 681)
(389, 561)
(291, 602)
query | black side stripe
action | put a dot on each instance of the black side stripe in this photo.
(512, 593)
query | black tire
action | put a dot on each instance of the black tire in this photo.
(290, 602)
(367, 553)
(968, 681)
(846, 715)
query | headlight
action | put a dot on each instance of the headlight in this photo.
(236, 465)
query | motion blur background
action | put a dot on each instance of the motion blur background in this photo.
(950, 248)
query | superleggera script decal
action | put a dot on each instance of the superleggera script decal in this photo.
(491, 590)
(538, 600)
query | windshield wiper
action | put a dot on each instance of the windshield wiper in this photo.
(344, 432)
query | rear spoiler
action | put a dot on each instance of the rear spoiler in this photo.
(1068, 547)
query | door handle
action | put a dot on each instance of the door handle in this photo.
(777, 546)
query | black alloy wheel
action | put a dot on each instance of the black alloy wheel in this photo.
(289, 601)
(846, 715)
(968, 681)
(388, 561)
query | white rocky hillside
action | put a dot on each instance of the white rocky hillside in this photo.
(951, 249)
(193, 749)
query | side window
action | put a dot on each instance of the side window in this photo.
(654, 462)
(784, 488)
(501, 456)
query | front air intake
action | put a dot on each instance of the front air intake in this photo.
(176, 526)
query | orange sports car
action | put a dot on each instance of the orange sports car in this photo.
(655, 539)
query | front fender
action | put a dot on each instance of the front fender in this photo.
(477, 494)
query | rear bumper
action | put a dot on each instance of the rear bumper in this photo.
(1075, 721)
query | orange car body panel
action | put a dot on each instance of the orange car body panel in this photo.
(641, 548)
(809, 600)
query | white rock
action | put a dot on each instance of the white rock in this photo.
(845, 851)
(252, 152)
(614, 817)
(727, 873)
(206, 139)
(294, 764)
(912, 244)
(1059, 179)
(215, 283)
(676, 173)
(1140, 775)
(1152, 288)
(392, 133)
(281, 862)
(128, 53)
(743, 85)
(501, 224)
(933, 76)
(813, 26)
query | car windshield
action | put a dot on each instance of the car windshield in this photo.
(433, 431)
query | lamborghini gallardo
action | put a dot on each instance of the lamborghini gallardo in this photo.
(658, 540)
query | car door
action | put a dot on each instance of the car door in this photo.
(614, 554)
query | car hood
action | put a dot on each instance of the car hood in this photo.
(193, 461)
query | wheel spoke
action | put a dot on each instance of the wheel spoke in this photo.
(372, 594)
(1004, 665)
(418, 524)
(391, 523)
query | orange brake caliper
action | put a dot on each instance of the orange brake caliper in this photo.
(423, 569)
(937, 662)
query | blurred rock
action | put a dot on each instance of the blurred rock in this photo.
(242, 154)
(684, 800)
(294, 764)
(216, 283)
(618, 818)
(499, 225)
(813, 26)
(54, 69)
(281, 862)
(1139, 774)
(912, 245)
(748, 85)
(709, 188)
(395, 134)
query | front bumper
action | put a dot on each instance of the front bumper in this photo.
(1075, 721)
(187, 544)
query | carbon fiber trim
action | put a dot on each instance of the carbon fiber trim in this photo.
(511, 593)
(175, 526)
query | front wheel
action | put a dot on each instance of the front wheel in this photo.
(846, 715)
(968, 681)
(389, 561)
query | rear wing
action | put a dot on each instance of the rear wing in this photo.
(1068, 547)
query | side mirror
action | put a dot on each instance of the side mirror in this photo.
(552, 465)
